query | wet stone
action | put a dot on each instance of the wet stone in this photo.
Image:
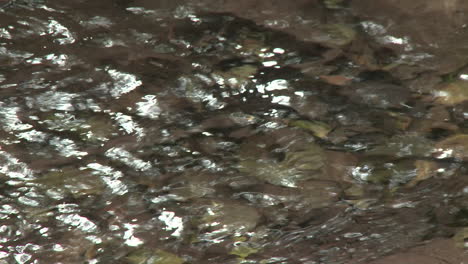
(303, 164)
(381, 95)
(452, 93)
(453, 147)
(221, 219)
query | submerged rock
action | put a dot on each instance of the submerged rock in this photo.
(226, 218)
(148, 256)
(452, 93)
(406, 145)
(453, 147)
(297, 166)
(380, 95)
(317, 128)
(72, 181)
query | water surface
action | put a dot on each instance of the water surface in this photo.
(199, 132)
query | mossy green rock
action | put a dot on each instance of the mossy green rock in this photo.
(147, 256)
(407, 145)
(453, 93)
(317, 128)
(334, 4)
(297, 166)
(339, 34)
(243, 250)
(382, 172)
(228, 218)
(96, 128)
(73, 180)
(455, 147)
(460, 238)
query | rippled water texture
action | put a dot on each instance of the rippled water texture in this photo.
(170, 132)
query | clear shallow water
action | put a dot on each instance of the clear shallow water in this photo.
(142, 132)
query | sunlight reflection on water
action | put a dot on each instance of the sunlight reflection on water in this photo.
(142, 132)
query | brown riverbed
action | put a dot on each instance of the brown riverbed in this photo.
(249, 131)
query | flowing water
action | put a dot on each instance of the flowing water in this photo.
(211, 132)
